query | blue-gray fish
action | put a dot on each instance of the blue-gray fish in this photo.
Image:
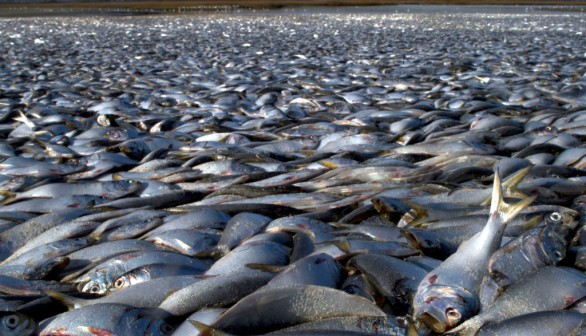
(105, 319)
(256, 252)
(108, 189)
(214, 291)
(320, 270)
(546, 323)
(278, 307)
(240, 227)
(101, 278)
(448, 295)
(559, 288)
(520, 257)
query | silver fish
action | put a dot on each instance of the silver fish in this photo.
(107, 318)
(448, 295)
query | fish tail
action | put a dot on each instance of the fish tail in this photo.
(205, 329)
(69, 301)
(8, 197)
(502, 210)
(95, 236)
(414, 216)
(511, 183)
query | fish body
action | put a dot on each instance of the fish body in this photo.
(105, 319)
(448, 295)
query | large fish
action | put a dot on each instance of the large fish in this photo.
(549, 288)
(448, 295)
(105, 319)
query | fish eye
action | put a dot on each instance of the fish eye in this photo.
(555, 216)
(95, 289)
(166, 329)
(453, 314)
(12, 321)
(558, 255)
(119, 283)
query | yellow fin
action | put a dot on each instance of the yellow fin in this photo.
(265, 267)
(414, 216)
(205, 329)
(510, 185)
(498, 207)
(69, 301)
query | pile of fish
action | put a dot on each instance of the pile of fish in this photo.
(293, 174)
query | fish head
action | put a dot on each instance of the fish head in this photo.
(441, 307)
(553, 236)
(12, 323)
(96, 283)
(93, 287)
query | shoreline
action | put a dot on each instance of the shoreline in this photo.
(137, 8)
(280, 4)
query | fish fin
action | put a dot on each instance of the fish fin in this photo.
(469, 327)
(219, 251)
(4, 289)
(95, 236)
(25, 120)
(69, 301)
(343, 245)
(413, 328)
(9, 197)
(307, 152)
(206, 330)
(510, 185)
(414, 216)
(498, 207)
(532, 222)
(413, 240)
(265, 267)
(328, 164)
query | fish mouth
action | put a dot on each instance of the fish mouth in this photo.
(431, 322)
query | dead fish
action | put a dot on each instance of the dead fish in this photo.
(214, 291)
(312, 303)
(107, 318)
(557, 322)
(448, 295)
(100, 278)
(319, 269)
(111, 189)
(544, 245)
(568, 287)
(240, 227)
(255, 252)
(394, 278)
